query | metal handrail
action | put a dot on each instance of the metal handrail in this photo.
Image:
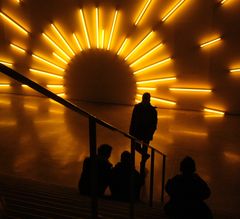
(92, 127)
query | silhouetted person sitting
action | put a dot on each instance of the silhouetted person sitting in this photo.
(121, 179)
(103, 172)
(187, 193)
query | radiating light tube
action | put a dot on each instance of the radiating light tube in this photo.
(55, 45)
(156, 80)
(77, 42)
(214, 111)
(85, 28)
(172, 10)
(160, 100)
(62, 38)
(146, 54)
(147, 88)
(60, 58)
(142, 13)
(236, 70)
(6, 63)
(45, 73)
(223, 1)
(97, 27)
(210, 42)
(14, 23)
(47, 62)
(4, 85)
(152, 66)
(112, 30)
(139, 44)
(122, 46)
(201, 90)
(18, 48)
(54, 86)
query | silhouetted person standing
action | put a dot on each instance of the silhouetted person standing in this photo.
(143, 123)
(121, 179)
(187, 193)
(103, 172)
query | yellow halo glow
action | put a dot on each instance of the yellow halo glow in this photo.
(6, 63)
(62, 38)
(159, 100)
(172, 10)
(60, 58)
(139, 44)
(200, 90)
(55, 45)
(18, 48)
(97, 26)
(45, 73)
(47, 62)
(156, 80)
(85, 28)
(213, 111)
(152, 66)
(146, 54)
(77, 42)
(122, 46)
(147, 88)
(142, 13)
(14, 23)
(103, 34)
(211, 42)
(112, 29)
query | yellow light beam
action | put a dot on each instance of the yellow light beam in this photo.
(139, 44)
(122, 46)
(152, 66)
(54, 85)
(142, 13)
(18, 48)
(112, 29)
(77, 42)
(147, 88)
(47, 62)
(14, 23)
(55, 45)
(97, 27)
(4, 85)
(60, 58)
(103, 34)
(6, 63)
(160, 100)
(146, 54)
(210, 42)
(201, 90)
(236, 70)
(85, 28)
(156, 80)
(213, 111)
(62, 38)
(45, 73)
(172, 10)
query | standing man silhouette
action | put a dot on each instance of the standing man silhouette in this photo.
(143, 124)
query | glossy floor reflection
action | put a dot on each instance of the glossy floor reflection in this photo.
(42, 140)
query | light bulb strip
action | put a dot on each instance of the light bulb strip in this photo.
(147, 88)
(139, 44)
(213, 111)
(202, 90)
(6, 63)
(152, 66)
(14, 23)
(156, 80)
(62, 38)
(172, 10)
(85, 28)
(54, 86)
(146, 54)
(60, 58)
(61, 94)
(122, 46)
(142, 13)
(17, 48)
(112, 29)
(208, 43)
(45, 73)
(77, 42)
(55, 45)
(97, 26)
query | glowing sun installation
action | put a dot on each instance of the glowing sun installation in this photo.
(93, 35)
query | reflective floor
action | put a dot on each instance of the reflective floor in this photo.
(42, 140)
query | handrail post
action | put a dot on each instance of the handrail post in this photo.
(163, 177)
(151, 177)
(93, 158)
(132, 181)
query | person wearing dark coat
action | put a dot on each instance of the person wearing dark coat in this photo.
(120, 179)
(187, 193)
(143, 123)
(103, 172)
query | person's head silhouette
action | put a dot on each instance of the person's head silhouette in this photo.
(104, 151)
(146, 98)
(187, 166)
(126, 157)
